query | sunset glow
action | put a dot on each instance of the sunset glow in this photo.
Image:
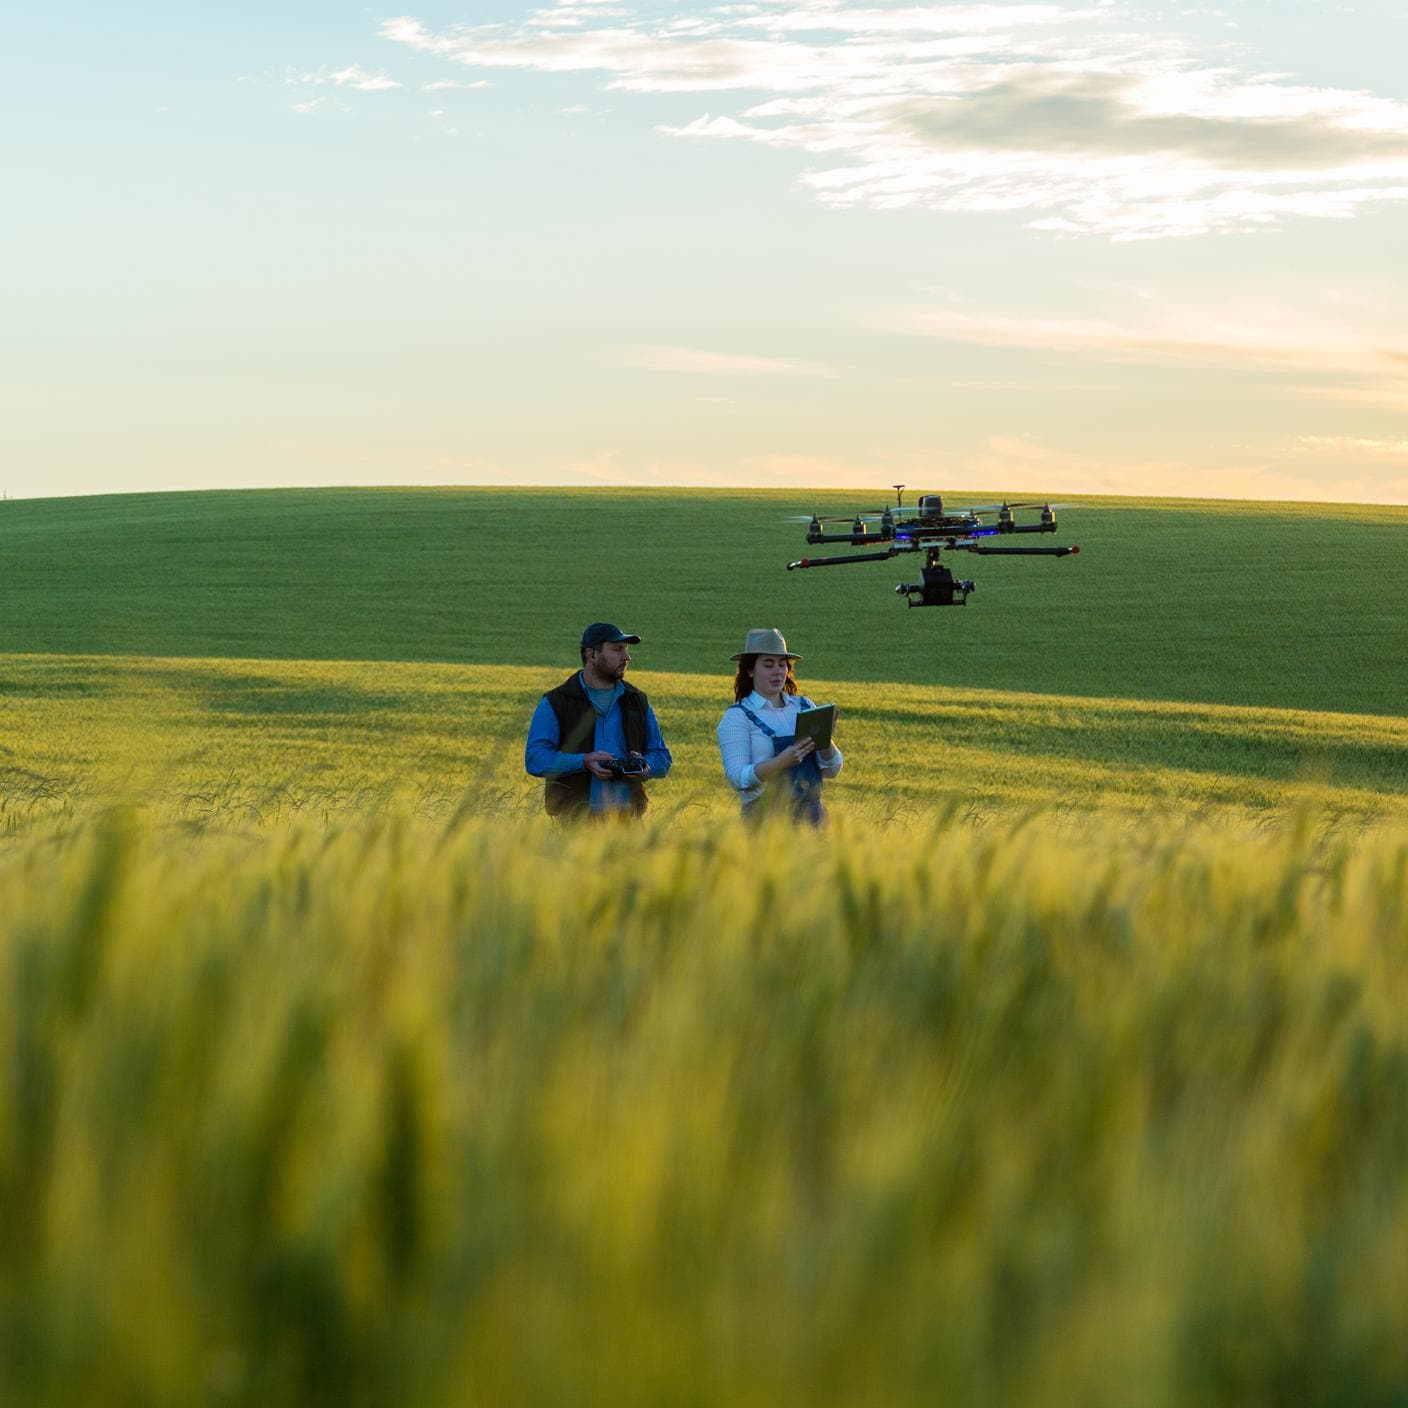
(1099, 247)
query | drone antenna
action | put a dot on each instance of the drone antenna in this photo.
(899, 495)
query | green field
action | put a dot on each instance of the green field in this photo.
(1197, 653)
(271, 740)
(1070, 1066)
(1272, 606)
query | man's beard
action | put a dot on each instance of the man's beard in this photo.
(609, 673)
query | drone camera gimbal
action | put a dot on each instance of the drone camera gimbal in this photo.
(938, 588)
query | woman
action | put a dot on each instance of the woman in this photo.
(758, 740)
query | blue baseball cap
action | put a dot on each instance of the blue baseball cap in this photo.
(603, 633)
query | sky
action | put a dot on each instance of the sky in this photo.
(1045, 248)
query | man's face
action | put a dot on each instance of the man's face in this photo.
(609, 660)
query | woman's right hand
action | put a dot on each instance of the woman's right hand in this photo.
(789, 757)
(799, 750)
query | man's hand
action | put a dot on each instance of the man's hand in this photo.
(598, 763)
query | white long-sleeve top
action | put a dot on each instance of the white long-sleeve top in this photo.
(743, 746)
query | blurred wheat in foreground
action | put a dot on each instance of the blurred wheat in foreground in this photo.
(407, 1113)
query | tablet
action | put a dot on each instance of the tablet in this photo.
(817, 723)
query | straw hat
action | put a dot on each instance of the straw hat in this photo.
(764, 642)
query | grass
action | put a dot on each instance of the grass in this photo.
(400, 1111)
(1271, 606)
(1070, 1066)
(283, 651)
(240, 741)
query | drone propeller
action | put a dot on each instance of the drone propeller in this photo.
(830, 517)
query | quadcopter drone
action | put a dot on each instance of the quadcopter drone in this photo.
(931, 529)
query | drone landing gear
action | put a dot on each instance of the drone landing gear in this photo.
(939, 587)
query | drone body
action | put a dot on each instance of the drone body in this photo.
(931, 529)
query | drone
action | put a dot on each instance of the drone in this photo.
(932, 529)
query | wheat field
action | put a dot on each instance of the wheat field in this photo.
(258, 741)
(1070, 1065)
(412, 1111)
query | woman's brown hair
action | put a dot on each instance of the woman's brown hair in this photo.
(743, 680)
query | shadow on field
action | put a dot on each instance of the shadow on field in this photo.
(250, 694)
(1284, 747)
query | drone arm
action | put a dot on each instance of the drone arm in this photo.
(855, 539)
(852, 557)
(984, 551)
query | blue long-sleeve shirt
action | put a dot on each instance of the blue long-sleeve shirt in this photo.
(542, 758)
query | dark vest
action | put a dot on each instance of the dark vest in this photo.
(576, 732)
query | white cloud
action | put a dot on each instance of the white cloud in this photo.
(314, 104)
(1079, 119)
(353, 76)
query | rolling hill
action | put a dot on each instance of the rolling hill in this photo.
(1293, 606)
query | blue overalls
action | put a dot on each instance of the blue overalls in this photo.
(804, 776)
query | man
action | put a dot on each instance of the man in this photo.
(592, 719)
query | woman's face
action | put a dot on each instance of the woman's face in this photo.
(770, 674)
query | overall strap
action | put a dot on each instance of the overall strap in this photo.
(771, 732)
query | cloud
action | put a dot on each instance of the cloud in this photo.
(1352, 446)
(1077, 119)
(1294, 333)
(1111, 115)
(353, 76)
(1335, 344)
(999, 465)
(686, 359)
(1007, 465)
(1385, 394)
(314, 104)
(1014, 464)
